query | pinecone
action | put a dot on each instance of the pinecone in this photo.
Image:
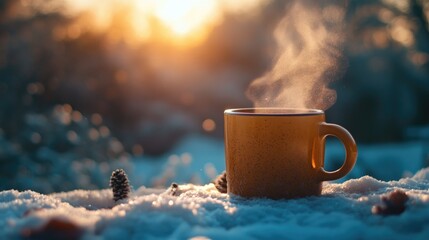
(119, 184)
(221, 183)
(393, 204)
(173, 189)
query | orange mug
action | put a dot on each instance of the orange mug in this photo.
(278, 153)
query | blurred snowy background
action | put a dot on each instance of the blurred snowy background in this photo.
(90, 86)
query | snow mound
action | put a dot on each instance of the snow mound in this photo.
(343, 210)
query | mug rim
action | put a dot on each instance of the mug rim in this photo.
(273, 111)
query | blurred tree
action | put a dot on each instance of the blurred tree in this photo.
(386, 87)
(45, 146)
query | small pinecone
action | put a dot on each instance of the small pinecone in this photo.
(119, 184)
(221, 183)
(393, 204)
(173, 189)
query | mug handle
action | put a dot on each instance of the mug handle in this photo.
(327, 129)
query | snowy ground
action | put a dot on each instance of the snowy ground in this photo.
(343, 210)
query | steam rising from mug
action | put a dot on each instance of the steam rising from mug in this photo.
(309, 47)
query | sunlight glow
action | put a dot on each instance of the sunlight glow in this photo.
(182, 22)
(183, 17)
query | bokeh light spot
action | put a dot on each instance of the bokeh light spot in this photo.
(36, 138)
(96, 119)
(137, 150)
(209, 125)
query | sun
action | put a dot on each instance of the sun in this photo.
(177, 22)
(187, 16)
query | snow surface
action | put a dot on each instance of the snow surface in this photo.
(343, 210)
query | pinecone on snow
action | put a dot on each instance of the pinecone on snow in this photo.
(119, 184)
(173, 189)
(393, 204)
(221, 183)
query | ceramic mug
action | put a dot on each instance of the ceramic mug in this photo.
(279, 152)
